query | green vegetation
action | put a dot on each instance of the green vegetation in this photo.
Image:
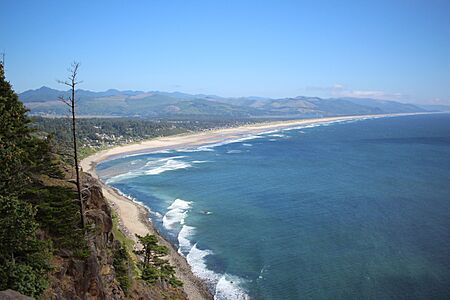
(155, 268)
(44, 101)
(122, 266)
(96, 134)
(58, 214)
(24, 258)
(37, 215)
(40, 217)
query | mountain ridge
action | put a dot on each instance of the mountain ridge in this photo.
(159, 104)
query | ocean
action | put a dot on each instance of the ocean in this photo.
(342, 210)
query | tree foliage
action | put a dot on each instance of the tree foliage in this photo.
(155, 268)
(121, 263)
(33, 216)
(24, 258)
(14, 138)
(22, 152)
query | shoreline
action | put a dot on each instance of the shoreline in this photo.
(134, 217)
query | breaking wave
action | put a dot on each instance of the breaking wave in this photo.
(176, 213)
(225, 286)
(153, 167)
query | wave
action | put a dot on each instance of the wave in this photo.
(277, 135)
(233, 151)
(184, 244)
(196, 259)
(198, 149)
(153, 167)
(328, 123)
(211, 147)
(228, 288)
(177, 213)
(144, 153)
(168, 165)
(247, 145)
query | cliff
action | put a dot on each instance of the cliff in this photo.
(96, 276)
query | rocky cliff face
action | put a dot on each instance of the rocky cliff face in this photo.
(94, 277)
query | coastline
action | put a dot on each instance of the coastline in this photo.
(134, 217)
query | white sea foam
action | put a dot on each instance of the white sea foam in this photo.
(169, 165)
(131, 155)
(196, 259)
(233, 151)
(145, 153)
(135, 161)
(153, 167)
(177, 213)
(157, 214)
(198, 149)
(183, 239)
(153, 162)
(247, 145)
(228, 288)
(277, 135)
(210, 147)
(199, 161)
(243, 139)
(121, 177)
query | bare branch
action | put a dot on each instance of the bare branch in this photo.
(63, 82)
(72, 83)
(65, 101)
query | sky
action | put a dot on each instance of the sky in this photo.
(393, 49)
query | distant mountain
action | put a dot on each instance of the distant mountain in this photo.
(436, 107)
(40, 95)
(44, 101)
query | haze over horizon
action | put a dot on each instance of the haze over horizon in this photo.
(383, 50)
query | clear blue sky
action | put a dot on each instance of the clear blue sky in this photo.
(385, 49)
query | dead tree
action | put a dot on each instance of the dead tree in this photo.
(72, 82)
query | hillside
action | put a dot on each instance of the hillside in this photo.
(44, 101)
(47, 250)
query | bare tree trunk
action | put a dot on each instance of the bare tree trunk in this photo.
(72, 83)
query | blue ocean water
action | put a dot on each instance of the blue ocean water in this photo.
(348, 210)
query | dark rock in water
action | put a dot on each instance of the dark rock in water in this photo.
(13, 295)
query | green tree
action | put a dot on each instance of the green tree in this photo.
(151, 250)
(22, 152)
(14, 138)
(154, 267)
(24, 258)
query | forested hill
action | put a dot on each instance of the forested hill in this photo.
(46, 250)
(44, 101)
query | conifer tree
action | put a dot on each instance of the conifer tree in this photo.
(14, 139)
(24, 259)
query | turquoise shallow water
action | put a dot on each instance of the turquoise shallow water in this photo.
(349, 210)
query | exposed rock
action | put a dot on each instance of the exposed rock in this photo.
(94, 278)
(13, 295)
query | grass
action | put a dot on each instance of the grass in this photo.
(126, 242)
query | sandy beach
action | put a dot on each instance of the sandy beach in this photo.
(134, 217)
